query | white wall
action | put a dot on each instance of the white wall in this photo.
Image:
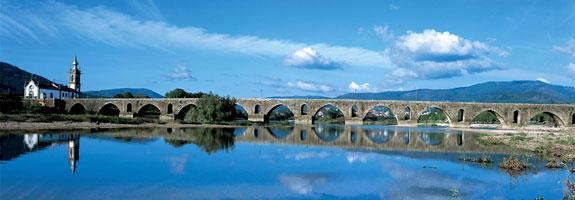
(27, 90)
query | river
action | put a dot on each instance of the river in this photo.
(283, 162)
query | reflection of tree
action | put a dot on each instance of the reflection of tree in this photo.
(208, 139)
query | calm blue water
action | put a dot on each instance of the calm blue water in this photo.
(326, 162)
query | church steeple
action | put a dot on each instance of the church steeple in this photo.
(75, 62)
(74, 82)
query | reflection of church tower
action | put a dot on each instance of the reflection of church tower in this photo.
(74, 82)
(74, 153)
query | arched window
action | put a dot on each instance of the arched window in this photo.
(129, 107)
(460, 115)
(353, 111)
(516, 117)
(304, 109)
(257, 109)
(573, 119)
(407, 113)
(170, 109)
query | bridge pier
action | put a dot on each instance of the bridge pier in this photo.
(126, 115)
(256, 118)
(407, 122)
(353, 120)
(167, 117)
(303, 119)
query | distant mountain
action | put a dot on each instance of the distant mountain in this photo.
(112, 92)
(299, 97)
(495, 92)
(13, 79)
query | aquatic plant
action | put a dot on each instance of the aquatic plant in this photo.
(513, 164)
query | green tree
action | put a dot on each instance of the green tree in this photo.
(177, 93)
(212, 108)
(181, 93)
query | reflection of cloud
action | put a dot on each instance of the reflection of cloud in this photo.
(303, 183)
(178, 163)
(356, 157)
(308, 155)
(429, 184)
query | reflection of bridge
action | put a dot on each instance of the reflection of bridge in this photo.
(357, 137)
(406, 112)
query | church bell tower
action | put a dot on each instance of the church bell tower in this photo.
(74, 82)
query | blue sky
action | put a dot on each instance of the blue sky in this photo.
(270, 48)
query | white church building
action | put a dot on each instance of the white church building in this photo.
(34, 89)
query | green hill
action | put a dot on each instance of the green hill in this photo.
(112, 92)
(494, 92)
(13, 79)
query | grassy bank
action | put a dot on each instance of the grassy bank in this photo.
(553, 147)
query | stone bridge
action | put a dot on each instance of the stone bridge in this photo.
(459, 114)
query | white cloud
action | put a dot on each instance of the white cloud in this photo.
(309, 58)
(393, 7)
(310, 86)
(432, 43)
(568, 48)
(365, 87)
(571, 68)
(383, 32)
(543, 80)
(118, 29)
(147, 8)
(180, 72)
(436, 55)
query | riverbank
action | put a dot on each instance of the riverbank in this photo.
(550, 145)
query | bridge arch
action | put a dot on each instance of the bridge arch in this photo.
(558, 122)
(272, 114)
(326, 106)
(109, 109)
(500, 117)
(181, 113)
(431, 108)
(77, 109)
(149, 111)
(240, 112)
(385, 109)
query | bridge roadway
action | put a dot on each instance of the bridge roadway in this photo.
(459, 114)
